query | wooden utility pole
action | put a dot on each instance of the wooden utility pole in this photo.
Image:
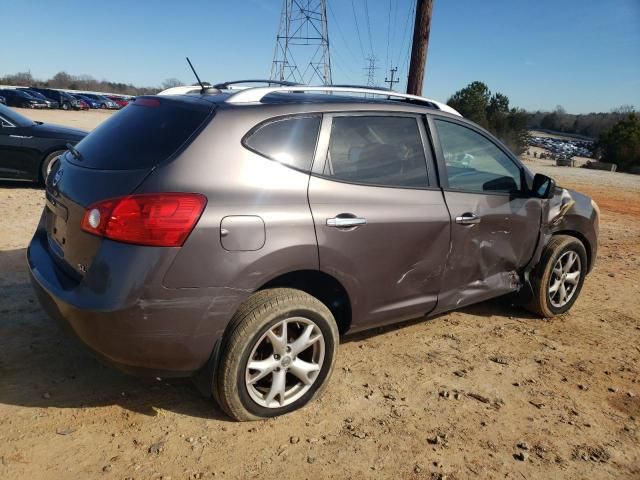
(392, 81)
(419, 47)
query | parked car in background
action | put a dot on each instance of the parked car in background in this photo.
(19, 98)
(233, 235)
(65, 101)
(103, 101)
(50, 103)
(89, 102)
(83, 104)
(120, 101)
(28, 149)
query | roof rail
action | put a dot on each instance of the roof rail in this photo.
(349, 85)
(255, 95)
(224, 85)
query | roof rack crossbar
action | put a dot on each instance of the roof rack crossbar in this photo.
(255, 95)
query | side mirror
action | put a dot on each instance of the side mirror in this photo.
(543, 186)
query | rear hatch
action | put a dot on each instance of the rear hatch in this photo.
(112, 162)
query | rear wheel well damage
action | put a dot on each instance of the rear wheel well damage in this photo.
(322, 286)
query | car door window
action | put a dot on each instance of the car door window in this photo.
(474, 163)
(291, 141)
(377, 150)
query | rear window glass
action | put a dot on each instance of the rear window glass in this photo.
(291, 141)
(142, 135)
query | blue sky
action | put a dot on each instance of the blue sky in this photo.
(581, 54)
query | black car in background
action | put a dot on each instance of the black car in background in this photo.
(28, 149)
(19, 98)
(65, 101)
(50, 103)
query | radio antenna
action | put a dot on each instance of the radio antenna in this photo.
(203, 88)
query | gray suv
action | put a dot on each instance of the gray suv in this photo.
(234, 235)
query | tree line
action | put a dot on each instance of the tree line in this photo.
(617, 133)
(588, 124)
(64, 80)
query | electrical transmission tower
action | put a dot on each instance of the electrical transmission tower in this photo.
(371, 71)
(302, 43)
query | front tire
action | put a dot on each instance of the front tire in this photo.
(277, 355)
(65, 106)
(558, 278)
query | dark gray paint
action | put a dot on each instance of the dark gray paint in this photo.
(163, 309)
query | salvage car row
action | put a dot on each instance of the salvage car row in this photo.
(36, 97)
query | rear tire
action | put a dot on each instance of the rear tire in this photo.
(292, 338)
(47, 164)
(558, 278)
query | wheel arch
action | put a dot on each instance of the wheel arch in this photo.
(322, 286)
(583, 239)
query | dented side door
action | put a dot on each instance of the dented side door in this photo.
(493, 233)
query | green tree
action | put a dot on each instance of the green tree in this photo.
(491, 111)
(621, 144)
(472, 102)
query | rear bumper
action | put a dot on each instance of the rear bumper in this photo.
(165, 332)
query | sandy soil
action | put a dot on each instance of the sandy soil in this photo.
(85, 119)
(486, 392)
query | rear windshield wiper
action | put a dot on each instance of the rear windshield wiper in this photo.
(74, 151)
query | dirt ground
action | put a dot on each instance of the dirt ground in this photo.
(486, 392)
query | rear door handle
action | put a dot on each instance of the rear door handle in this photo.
(468, 219)
(20, 136)
(345, 222)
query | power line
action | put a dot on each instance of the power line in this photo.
(386, 60)
(405, 65)
(406, 28)
(355, 17)
(344, 40)
(366, 9)
(393, 28)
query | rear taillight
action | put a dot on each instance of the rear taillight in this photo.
(156, 219)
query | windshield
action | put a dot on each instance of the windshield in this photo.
(14, 117)
(35, 94)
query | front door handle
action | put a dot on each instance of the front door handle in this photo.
(345, 222)
(468, 219)
(20, 136)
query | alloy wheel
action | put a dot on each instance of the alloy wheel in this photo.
(565, 278)
(285, 362)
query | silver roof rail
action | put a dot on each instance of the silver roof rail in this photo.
(255, 95)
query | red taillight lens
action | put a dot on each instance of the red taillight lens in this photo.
(156, 219)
